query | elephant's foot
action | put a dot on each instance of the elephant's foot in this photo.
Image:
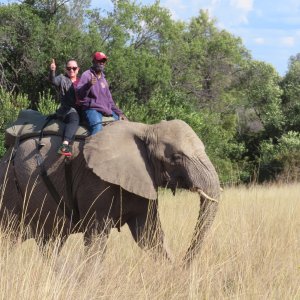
(156, 247)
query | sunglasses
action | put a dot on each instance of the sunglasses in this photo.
(71, 68)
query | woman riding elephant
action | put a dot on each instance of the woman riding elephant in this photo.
(66, 85)
(115, 178)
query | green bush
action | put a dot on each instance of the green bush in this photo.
(163, 105)
(10, 106)
(281, 160)
(46, 104)
(288, 152)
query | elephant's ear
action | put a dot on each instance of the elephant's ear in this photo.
(118, 155)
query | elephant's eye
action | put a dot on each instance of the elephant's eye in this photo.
(176, 157)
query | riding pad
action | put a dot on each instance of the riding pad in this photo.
(30, 122)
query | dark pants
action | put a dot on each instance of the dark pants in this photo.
(72, 122)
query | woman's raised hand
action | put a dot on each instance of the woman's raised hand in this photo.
(53, 65)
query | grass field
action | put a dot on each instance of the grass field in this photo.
(252, 252)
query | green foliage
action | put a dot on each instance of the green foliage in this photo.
(291, 87)
(261, 92)
(46, 104)
(23, 51)
(206, 62)
(283, 157)
(269, 166)
(288, 152)
(161, 106)
(10, 106)
(33, 33)
(218, 135)
(135, 39)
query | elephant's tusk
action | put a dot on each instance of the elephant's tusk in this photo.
(206, 196)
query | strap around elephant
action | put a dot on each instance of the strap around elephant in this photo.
(41, 135)
(70, 201)
(65, 206)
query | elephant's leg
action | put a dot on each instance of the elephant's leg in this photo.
(95, 238)
(50, 233)
(147, 231)
(10, 201)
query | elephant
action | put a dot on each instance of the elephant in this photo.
(115, 178)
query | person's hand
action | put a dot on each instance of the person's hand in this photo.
(93, 79)
(53, 65)
(123, 117)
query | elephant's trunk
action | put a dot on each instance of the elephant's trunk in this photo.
(207, 213)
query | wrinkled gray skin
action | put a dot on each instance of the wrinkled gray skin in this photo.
(115, 177)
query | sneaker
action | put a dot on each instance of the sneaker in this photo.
(65, 150)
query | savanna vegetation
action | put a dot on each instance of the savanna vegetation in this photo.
(246, 114)
(252, 252)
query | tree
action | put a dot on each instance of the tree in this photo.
(10, 106)
(261, 93)
(291, 94)
(28, 43)
(21, 42)
(135, 38)
(207, 62)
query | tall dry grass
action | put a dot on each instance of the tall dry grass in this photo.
(252, 252)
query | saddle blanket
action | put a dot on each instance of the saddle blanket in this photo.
(30, 122)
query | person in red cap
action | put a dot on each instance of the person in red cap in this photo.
(95, 97)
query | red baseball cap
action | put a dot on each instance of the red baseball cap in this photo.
(99, 56)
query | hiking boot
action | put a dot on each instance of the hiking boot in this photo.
(65, 150)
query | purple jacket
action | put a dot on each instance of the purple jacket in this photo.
(96, 96)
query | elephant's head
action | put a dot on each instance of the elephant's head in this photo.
(179, 158)
(140, 158)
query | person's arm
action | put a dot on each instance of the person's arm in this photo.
(114, 107)
(55, 80)
(84, 85)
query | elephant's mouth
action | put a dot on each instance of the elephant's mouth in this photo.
(174, 185)
(175, 180)
(177, 183)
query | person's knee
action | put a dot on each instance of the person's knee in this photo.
(92, 117)
(94, 128)
(94, 121)
(74, 117)
(115, 116)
